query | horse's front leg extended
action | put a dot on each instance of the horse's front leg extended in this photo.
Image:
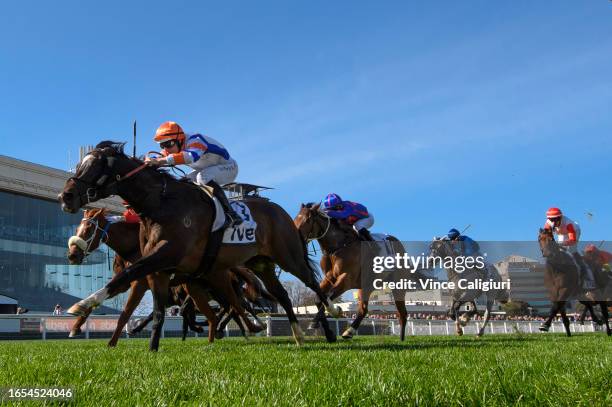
(162, 256)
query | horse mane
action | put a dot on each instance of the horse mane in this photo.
(115, 145)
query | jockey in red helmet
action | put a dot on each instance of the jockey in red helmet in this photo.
(211, 162)
(568, 235)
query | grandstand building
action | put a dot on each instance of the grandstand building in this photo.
(33, 235)
(526, 281)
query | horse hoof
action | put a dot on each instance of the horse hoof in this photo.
(347, 337)
(263, 326)
(543, 328)
(459, 333)
(314, 325)
(220, 335)
(74, 333)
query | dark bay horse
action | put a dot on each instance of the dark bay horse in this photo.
(123, 237)
(562, 280)
(444, 249)
(177, 219)
(342, 263)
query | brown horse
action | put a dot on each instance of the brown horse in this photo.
(562, 280)
(176, 229)
(342, 262)
(122, 237)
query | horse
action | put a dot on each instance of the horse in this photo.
(122, 237)
(603, 282)
(562, 280)
(176, 229)
(342, 263)
(440, 248)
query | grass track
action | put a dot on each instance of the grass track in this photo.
(496, 370)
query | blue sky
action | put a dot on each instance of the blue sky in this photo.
(432, 114)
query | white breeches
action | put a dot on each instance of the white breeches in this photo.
(364, 223)
(220, 173)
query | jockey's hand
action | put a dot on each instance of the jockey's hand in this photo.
(154, 162)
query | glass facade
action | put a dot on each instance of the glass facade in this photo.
(33, 264)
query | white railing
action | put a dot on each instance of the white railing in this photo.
(47, 326)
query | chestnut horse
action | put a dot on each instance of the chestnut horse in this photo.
(122, 237)
(342, 262)
(562, 280)
(177, 218)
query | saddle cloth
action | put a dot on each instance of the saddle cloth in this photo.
(241, 234)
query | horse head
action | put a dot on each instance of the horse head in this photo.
(312, 222)
(96, 176)
(547, 243)
(90, 233)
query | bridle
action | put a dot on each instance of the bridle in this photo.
(88, 190)
(328, 219)
(85, 245)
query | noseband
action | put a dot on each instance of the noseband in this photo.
(85, 245)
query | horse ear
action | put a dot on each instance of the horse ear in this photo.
(302, 207)
(316, 207)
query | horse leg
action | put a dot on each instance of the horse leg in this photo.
(400, 304)
(201, 298)
(265, 271)
(76, 328)
(466, 317)
(604, 314)
(451, 311)
(566, 322)
(159, 284)
(362, 300)
(590, 307)
(139, 288)
(455, 311)
(553, 312)
(584, 312)
(487, 315)
(220, 281)
(223, 321)
(325, 286)
(141, 325)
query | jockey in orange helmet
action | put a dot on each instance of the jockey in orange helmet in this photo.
(211, 162)
(568, 235)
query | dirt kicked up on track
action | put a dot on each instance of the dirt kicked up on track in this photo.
(495, 370)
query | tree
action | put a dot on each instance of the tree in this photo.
(516, 308)
(299, 294)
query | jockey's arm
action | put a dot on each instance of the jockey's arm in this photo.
(571, 236)
(339, 214)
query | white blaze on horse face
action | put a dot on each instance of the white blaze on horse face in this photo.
(86, 162)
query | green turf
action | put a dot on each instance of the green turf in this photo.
(534, 369)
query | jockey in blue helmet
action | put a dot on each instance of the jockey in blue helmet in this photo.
(353, 213)
(469, 246)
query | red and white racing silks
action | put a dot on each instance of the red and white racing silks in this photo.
(568, 232)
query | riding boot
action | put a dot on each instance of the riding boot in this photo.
(588, 282)
(232, 218)
(365, 235)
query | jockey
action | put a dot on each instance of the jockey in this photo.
(469, 247)
(211, 162)
(602, 256)
(352, 213)
(568, 235)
